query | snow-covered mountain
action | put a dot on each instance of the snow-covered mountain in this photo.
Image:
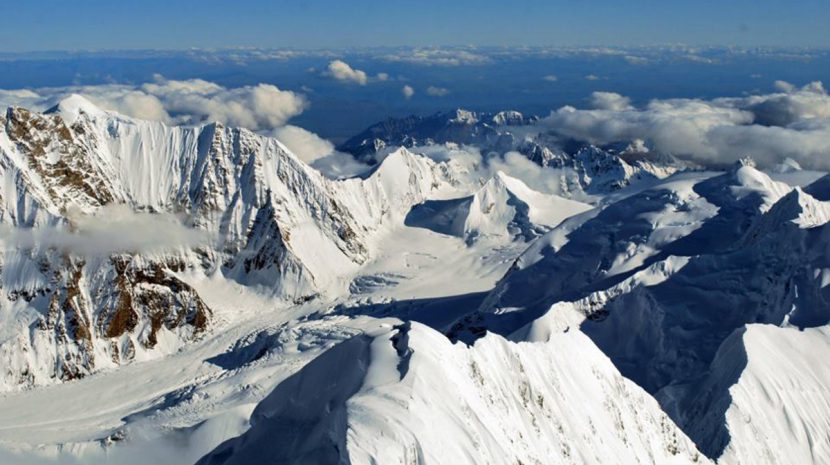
(666, 281)
(589, 169)
(269, 219)
(459, 126)
(184, 294)
(503, 209)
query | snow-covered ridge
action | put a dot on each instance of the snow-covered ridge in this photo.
(585, 169)
(407, 395)
(661, 279)
(271, 222)
(766, 398)
(503, 210)
(678, 311)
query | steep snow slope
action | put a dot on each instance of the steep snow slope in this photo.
(503, 209)
(174, 409)
(407, 395)
(773, 384)
(267, 219)
(689, 214)
(661, 279)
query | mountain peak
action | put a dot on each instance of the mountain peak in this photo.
(71, 106)
(464, 117)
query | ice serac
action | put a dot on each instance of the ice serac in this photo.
(411, 396)
(503, 210)
(270, 221)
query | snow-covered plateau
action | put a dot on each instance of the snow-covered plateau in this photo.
(199, 294)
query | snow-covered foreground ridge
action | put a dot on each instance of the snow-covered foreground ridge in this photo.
(405, 394)
(78, 296)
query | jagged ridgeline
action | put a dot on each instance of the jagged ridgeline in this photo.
(439, 308)
(266, 219)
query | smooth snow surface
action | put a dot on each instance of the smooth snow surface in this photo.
(407, 395)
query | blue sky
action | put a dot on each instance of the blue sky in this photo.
(97, 24)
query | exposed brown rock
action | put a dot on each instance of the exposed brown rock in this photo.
(34, 133)
(151, 292)
(124, 319)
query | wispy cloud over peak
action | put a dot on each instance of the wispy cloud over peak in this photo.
(191, 101)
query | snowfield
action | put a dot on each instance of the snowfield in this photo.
(254, 311)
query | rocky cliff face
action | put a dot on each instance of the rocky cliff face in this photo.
(263, 216)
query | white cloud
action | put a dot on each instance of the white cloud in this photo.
(307, 145)
(191, 101)
(636, 60)
(20, 97)
(339, 165)
(111, 229)
(768, 128)
(407, 91)
(542, 179)
(700, 59)
(383, 76)
(783, 86)
(437, 91)
(550, 78)
(319, 153)
(136, 104)
(341, 71)
(782, 109)
(438, 57)
(609, 101)
(263, 106)
(592, 77)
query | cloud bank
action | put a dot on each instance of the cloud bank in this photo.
(259, 107)
(438, 57)
(307, 145)
(319, 152)
(793, 123)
